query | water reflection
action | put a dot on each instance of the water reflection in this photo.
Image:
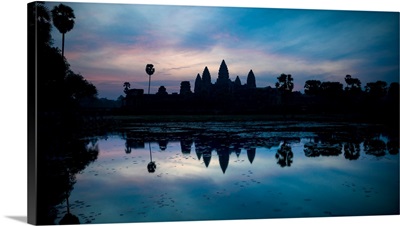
(284, 155)
(205, 169)
(151, 166)
(59, 162)
(348, 144)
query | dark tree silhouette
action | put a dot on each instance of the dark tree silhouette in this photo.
(312, 87)
(285, 86)
(78, 87)
(393, 92)
(331, 89)
(150, 71)
(285, 83)
(353, 84)
(39, 23)
(162, 91)
(63, 20)
(127, 85)
(185, 88)
(376, 89)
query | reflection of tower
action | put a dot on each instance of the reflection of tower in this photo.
(207, 157)
(237, 152)
(133, 143)
(199, 148)
(223, 157)
(163, 144)
(251, 154)
(203, 148)
(186, 145)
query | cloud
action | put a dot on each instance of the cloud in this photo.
(113, 43)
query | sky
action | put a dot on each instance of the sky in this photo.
(14, 93)
(112, 43)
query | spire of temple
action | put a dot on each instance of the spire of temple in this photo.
(237, 81)
(206, 77)
(223, 74)
(251, 80)
(198, 85)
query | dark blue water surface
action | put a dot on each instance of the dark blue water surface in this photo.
(236, 171)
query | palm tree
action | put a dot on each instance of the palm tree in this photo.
(149, 70)
(127, 85)
(285, 83)
(63, 20)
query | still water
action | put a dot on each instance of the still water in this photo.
(230, 171)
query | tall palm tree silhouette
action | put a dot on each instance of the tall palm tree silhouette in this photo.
(149, 70)
(63, 20)
(127, 85)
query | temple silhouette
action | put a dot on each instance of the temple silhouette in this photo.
(223, 96)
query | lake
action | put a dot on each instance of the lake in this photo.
(186, 171)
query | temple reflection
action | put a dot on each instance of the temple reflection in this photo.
(348, 145)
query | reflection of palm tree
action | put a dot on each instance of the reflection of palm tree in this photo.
(151, 167)
(284, 155)
(68, 217)
(149, 70)
(63, 19)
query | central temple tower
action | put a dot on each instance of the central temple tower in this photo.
(223, 75)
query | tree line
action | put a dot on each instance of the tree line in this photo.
(374, 90)
(54, 96)
(58, 87)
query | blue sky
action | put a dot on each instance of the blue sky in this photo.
(112, 43)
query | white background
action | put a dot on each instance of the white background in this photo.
(13, 124)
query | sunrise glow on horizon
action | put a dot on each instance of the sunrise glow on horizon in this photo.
(111, 44)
